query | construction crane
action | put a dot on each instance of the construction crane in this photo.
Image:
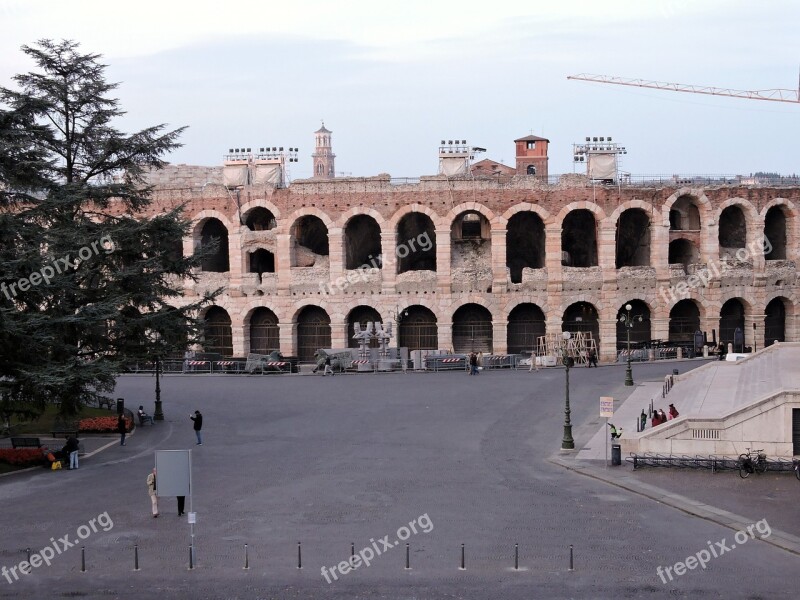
(776, 95)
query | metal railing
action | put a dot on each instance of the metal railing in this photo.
(712, 462)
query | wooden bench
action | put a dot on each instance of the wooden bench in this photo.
(25, 442)
(64, 427)
(106, 402)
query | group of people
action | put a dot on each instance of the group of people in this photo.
(659, 416)
(68, 452)
(152, 490)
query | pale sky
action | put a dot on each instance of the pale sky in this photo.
(392, 79)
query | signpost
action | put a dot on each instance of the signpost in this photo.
(607, 411)
(174, 468)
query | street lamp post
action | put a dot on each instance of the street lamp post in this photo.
(567, 443)
(628, 321)
(158, 413)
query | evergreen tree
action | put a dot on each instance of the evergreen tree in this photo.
(86, 276)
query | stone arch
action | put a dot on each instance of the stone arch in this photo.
(217, 331)
(580, 239)
(599, 213)
(361, 313)
(213, 231)
(526, 323)
(313, 325)
(472, 206)
(415, 227)
(641, 332)
(439, 222)
(633, 238)
(526, 240)
(418, 328)
(285, 226)
(472, 328)
(361, 237)
(701, 201)
(685, 318)
(544, 214)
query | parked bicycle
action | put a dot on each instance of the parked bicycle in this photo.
(753, 461)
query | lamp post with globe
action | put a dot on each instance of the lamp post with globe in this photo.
(567, 443)
(628, 322)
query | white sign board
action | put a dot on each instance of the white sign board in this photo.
(173, 472)
(606, 406)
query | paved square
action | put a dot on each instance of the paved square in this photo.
(351, 459)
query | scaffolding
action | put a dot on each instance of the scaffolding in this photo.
(578, 347)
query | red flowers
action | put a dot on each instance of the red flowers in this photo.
(22, 457)
(102, 424)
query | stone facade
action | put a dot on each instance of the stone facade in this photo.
(466, 258)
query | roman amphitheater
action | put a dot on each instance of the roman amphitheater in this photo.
(488, 260)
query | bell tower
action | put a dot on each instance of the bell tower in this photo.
(323, 154)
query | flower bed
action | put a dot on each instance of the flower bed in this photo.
(102, 425)
(21, 457)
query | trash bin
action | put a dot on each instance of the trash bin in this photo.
(120, 406)
(675, 371)
(616, 455)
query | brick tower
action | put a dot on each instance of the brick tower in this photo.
(323, 154)
(532, 156)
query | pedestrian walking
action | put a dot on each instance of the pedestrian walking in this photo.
(198, 426)
(534, 364)
(473, 363)
(181, 504)
(643, 420)
(71, 448)
(327, 366)
(673, 412)
(151, 489)
(592, 358)
(122, 427)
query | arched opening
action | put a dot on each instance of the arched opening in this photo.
(579, 239)
(264, 331)
(217, 334)
(684, 320)
(261, 261)
(362, 243)
(361, 315)
(472, 329)
(525, 244)
(260, 219)
(310, 236)
(525, 326)
(582, 316)
(732, 232)
(215, 234)
(530, 170)
(775, 322)
(633, 239)
(313, 332)
(731, 318)
(640, 332)
(470, 225)
(418, 329)
(684, 215)
(683, 252)
(775, 232)
(416, 228)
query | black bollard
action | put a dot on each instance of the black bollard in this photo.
(352, 549)
(571, 564)
(83, 559)
(463, 567)
(191, 557)
(28, 550)
(516, 557)
(246, 558)
(408, 558)
(136, 557)
(299, 557)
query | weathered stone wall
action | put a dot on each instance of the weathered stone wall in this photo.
(478, 273)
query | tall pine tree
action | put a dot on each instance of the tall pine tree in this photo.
(87, 276)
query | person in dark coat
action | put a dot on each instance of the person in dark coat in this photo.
(181, 504)
(122, 427)
(198, 425)
(643, 419)
(71, 449)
